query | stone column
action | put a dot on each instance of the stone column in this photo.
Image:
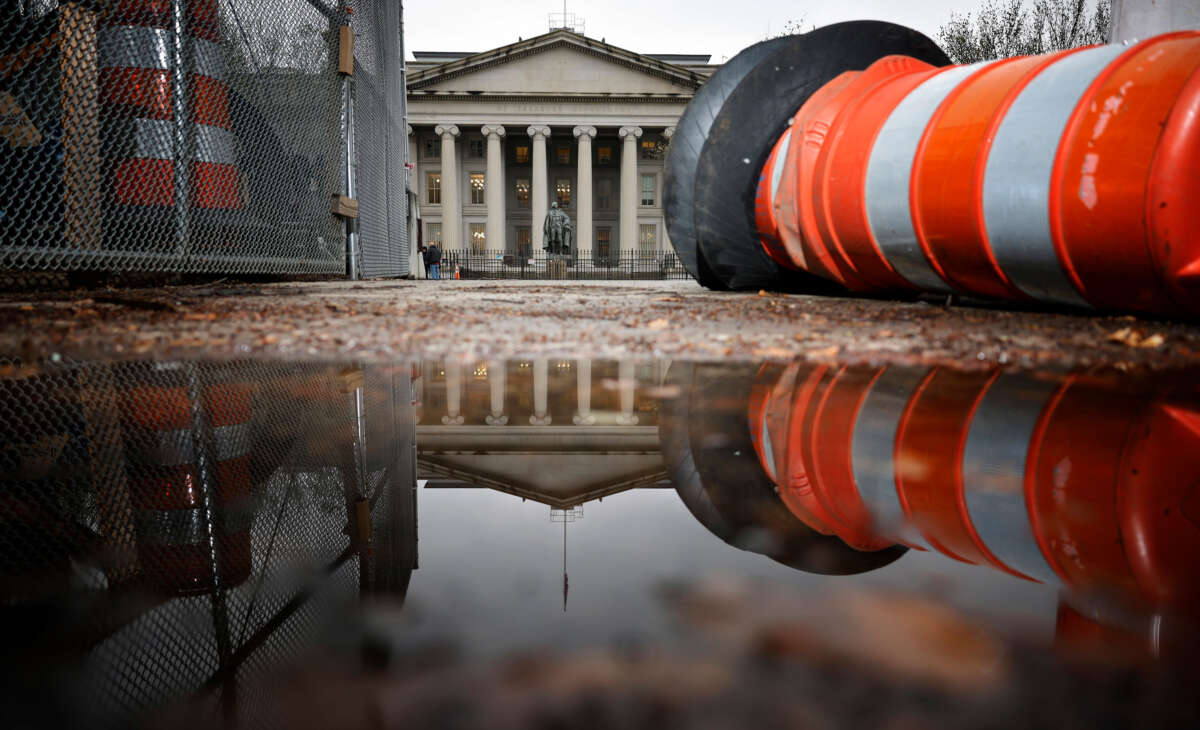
(583, 394)
(495, 375)
(451, 211)
(540, 384)
(453, 415)
(416, 267)
(629, 188)
(540, 194)
(627, 384)
(494, 187)
(583, 224)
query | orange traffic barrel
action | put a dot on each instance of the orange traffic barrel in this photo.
(174, 516)
(138, 98)
(1066, 178)
(1065, 480)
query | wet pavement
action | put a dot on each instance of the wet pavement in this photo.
(379, 321)
(585, 542)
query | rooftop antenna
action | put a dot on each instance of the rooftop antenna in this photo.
(567, 21)
(569, 514)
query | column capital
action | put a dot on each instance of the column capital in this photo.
(629, 132)
(581, 132)
(488, 130)
(537, 129)
(442, 130)
(669, 132)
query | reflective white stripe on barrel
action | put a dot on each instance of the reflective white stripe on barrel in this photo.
(873, 447)
(178, 448)
(777, 167)
(889, 172)
(768, 451)
(135, 46)
(153, 138)
(993, 471)
(1016, 186)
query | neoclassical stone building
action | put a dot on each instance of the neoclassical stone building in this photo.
(497, 136)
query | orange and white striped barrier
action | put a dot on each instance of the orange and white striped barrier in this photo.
(1069, 178)
(136, 46)
(167, 491)
(1064, 481)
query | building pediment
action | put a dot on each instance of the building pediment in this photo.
(557, 63)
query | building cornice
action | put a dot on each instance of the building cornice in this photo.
(680, 75)
(576, 98)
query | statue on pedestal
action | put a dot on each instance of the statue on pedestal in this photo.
(557, 231)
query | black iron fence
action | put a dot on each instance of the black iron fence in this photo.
(582, 265)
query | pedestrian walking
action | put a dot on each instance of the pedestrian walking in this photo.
(433, 256)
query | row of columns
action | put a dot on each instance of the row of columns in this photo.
(540, 194)
(541, 416)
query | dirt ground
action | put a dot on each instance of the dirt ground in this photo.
(377, 321)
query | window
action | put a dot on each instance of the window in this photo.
(433, 233)
(604, 199)
(649, 189)
(475, 149)
(603, 251)
(433, 188)
(647, 240)
(478, 238)
(562, 192)
(477, 188)
(653, 149)
(433, 148)
(522, 192)
(524, 242)
(562, 155)
(521, 154)
(604, 154)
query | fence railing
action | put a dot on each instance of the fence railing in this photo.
(202, 136)
(582, 265)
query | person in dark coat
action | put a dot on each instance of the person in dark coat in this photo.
(433, 257)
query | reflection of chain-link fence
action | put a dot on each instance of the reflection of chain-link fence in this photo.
(99, 101)
(172, 531)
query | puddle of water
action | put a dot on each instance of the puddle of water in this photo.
(543, 541)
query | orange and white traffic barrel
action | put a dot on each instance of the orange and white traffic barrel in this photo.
(138, 100)
(1067, 481)
(1067, 178)
(167, 486)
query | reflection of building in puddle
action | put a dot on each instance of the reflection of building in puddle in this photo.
(559, 432)
(174, 530)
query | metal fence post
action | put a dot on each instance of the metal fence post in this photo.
(351, 161)
(181, 116)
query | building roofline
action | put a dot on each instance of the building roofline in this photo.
(664, 69)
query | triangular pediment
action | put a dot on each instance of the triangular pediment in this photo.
(557, 63)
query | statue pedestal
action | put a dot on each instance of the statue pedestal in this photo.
(556, 266)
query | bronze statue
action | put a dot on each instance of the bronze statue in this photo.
(557, 231)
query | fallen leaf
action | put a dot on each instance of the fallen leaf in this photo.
(200, 316)
(824, 352)
(762, 292)
(798, 337)
(659, 324)
(1152, 341)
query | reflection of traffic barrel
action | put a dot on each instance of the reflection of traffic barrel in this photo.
(1063, 178)
(1067, 481)
(138, 101)
(167, 485)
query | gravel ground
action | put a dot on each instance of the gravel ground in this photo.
(381, 320)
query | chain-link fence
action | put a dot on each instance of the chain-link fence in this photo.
(171, 532)
(202, 136)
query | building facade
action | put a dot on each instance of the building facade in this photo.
(496, 137)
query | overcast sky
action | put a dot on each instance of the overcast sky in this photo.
(717, 27)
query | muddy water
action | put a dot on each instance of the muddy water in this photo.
(588, 543)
